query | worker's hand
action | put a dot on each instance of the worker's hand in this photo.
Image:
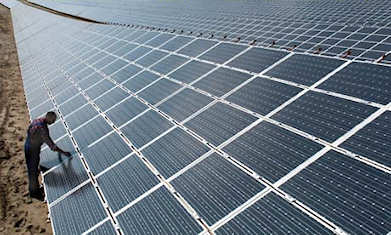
(68, 154)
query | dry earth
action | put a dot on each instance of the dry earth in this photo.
(18, 213)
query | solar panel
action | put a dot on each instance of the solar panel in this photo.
(173, 132)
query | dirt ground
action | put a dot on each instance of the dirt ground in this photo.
(18, 213)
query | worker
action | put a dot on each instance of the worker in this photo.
(37, 134)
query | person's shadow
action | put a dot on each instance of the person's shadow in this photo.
(68, 174)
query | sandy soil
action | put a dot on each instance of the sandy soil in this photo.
(18, 213)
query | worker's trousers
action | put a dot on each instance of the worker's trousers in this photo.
(32, 160)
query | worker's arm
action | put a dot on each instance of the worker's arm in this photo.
(46, 138)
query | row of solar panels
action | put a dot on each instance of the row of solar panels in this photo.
(214, 186)
(265, 22)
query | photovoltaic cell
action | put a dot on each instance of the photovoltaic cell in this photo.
(136, 53)
(219, 122)
(223, 52)
(90, 81)
(161, 213)
(197, 47)
(78, 212)
(168, 64)
(174, 151)
(64, 178)
(257, 59)
(184, 104)
(215, 187)
(159, 40)
(353, 195)
(303, 69)
(126, 181)
(125, 111)
(191, 71)
(323, 116)
(111, 98)
(99, 88)
(145, 128)
(176, 43)
(271, 151)
(159, 90)
(41, 109)
(106, 152)
(105, 229)
(262, 95)
(140, 81)
(221, 81)
(81, 116)
(151, 58)
(113, 67)
(125, 73)
(270, 215)
(372, 141)
(91, 132)
(365, 81)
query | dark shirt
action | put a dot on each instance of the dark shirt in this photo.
(38, 133)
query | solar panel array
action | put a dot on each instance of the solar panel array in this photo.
(178, 134)
(352, 29)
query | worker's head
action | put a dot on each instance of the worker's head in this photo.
(51, 117)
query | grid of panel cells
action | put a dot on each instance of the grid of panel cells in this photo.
(173, 134)
(347, 28)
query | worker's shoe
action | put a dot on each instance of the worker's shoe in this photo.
(39, 195)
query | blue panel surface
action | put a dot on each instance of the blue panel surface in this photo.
(136, 53)
(161, 213)
(145, 128)
(191, 71)
(41, 110)
(126, 182)
(105, 229)
(100, 88)
(169, 64)
(220, 122)
(159, 40)
(72, 104)
(92, 131)
(262, 95)
(64, 178)
(174, 151)
(272, 215)
(106, 152)
(151, 58)
(90, 81)
(113, 67)
(78, 212)
(65, 95)
(257, 59)
(223, 52)
(221, 81)
(215, 187)
(57, 129)
(140, 81)
(373, 141)
(324, 116)
(271, 151)
(125, 73)
(176, 43)
(111, 98)
(304, 69)
(125, 111)
(159, 90)
(353, 195)
(81, 116)
(197, 47)
(369, 82)
(184, 104)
